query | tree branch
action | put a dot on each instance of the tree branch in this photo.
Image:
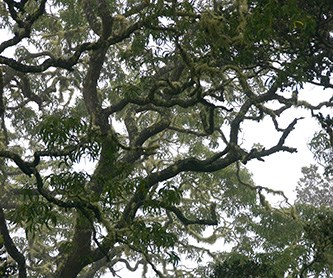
(182, 218)
(23, 26)
(10, 246)
(259, 154)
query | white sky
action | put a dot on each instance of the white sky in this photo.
(282, 171)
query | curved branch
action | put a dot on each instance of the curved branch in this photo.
(62, 62)
(24, 27)
(81, 204)
(152, 130)
(29, 168)
(158, 101)
(25, 167)
(182, 218)
(10, 246)
(259, 154)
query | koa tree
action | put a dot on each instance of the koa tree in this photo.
(121, 125)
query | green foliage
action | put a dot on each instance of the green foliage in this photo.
(238, 265)
(171, 196)
(34, 214)
(123, 139)
(71, 184)
(59, 130)
(279, 245)
(70, 134)
(7, 267)
(279, 242)
(27, 119)
(153, 235)
(319, 232)
(314, 188)
(322, 149)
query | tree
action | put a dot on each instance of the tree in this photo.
(314, 199)
(7, 267)
(291, 241)
(121, 124)
(314, 189)
(322, 144)
(278, 245)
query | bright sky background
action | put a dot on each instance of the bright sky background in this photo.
(281, 171)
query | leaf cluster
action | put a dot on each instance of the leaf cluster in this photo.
(155, 94)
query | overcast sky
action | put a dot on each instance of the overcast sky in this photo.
(282, 171)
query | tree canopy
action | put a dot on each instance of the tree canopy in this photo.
(286, 242)
(121, 140)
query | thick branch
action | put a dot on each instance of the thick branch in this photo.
(24, 27)
(277, 148)
(80, 248)
(152, 130)
(64, 63)
(90, 95)
(25, 167)
(10, 246)
(105, 15)
(211, 164)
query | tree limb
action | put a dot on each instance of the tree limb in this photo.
(10, 246)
